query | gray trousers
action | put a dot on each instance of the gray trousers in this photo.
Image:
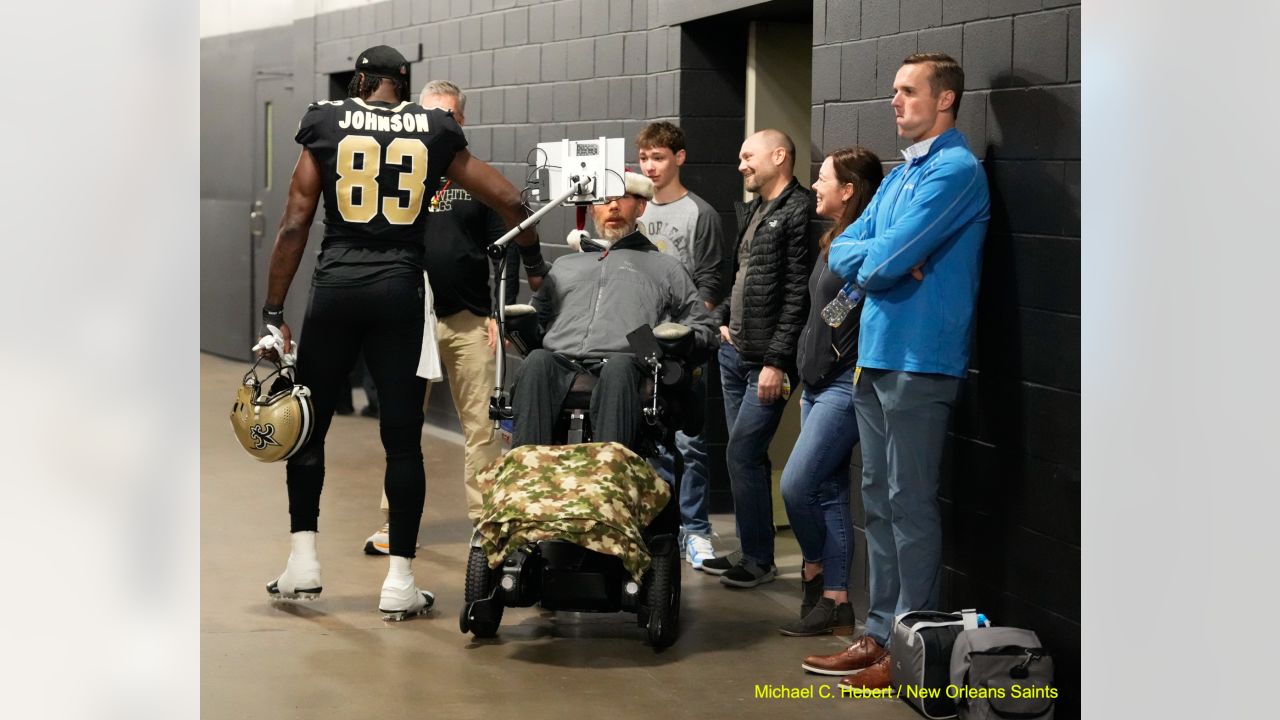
(544, 379)
(902, 422)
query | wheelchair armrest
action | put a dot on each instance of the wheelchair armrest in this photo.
(522, 328)
(681, 360)
(676, 340)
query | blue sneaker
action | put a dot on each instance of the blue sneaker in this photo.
(697, 550)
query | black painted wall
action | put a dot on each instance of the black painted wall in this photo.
(1011, 487)
(546, 70)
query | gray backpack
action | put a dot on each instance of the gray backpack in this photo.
(1002, 672)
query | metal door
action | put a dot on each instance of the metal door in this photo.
(275, 154)
(226, 267)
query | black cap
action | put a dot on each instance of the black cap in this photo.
(383, 60)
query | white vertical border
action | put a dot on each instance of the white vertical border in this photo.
(1181, 482)
(99, 453)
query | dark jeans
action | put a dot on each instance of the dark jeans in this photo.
(751, 426)
(384, 319)
(543, 381)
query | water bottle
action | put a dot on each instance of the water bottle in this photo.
(838, 309)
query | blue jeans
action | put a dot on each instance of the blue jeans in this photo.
(902, 417)
(815, 482)
(695, 498)
(751, 426)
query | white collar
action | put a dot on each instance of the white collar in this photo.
(367, 106)
(919, 150)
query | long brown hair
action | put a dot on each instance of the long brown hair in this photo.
(861, 167)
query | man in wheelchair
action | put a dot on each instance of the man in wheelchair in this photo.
(586, 307)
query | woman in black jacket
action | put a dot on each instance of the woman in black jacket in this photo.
(815, 482)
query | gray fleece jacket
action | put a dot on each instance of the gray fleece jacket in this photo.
(590, 300)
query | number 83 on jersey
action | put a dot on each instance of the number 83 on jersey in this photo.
(359, 161)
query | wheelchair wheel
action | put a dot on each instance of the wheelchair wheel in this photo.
(664, 598)
(479, 586)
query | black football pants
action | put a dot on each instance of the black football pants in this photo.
(384, 319)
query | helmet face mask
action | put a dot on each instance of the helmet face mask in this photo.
(275, 424)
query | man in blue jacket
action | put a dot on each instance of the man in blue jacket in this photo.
(930, 213)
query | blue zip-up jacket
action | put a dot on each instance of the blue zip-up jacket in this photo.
(934, 210)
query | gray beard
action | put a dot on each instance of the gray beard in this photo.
(611, 235)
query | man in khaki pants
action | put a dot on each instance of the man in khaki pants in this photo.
(458, 231)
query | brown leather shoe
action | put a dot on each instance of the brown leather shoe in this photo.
(875, 677)
(863, 653)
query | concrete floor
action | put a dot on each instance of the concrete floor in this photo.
(336, 658)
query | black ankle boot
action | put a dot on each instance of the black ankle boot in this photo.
(826, 617)
(812, 593)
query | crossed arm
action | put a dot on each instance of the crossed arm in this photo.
(876, 259)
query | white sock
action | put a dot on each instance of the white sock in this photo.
(400, 568)
(304, 546)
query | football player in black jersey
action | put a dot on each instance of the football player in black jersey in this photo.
(377, 159)
(458, 269)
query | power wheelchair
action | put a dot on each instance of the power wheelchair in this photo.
(560, 575)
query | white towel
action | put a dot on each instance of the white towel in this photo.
(429, 360)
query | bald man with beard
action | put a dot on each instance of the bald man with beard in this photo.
(760, 326)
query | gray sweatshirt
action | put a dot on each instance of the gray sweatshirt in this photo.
(690, 229)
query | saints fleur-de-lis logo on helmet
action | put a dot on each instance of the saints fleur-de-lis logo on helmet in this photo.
(263, 435)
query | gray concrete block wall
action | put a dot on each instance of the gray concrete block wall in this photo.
(879, 17)
(920, 14)
(842, 20)
(569, 68)
(534, 70)
(1013, 473)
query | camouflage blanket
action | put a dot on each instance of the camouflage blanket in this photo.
(597, 495)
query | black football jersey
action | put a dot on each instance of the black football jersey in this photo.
(380, 165)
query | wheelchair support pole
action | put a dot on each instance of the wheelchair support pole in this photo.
(581, 186)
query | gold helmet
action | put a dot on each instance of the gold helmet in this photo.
(272, 424)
